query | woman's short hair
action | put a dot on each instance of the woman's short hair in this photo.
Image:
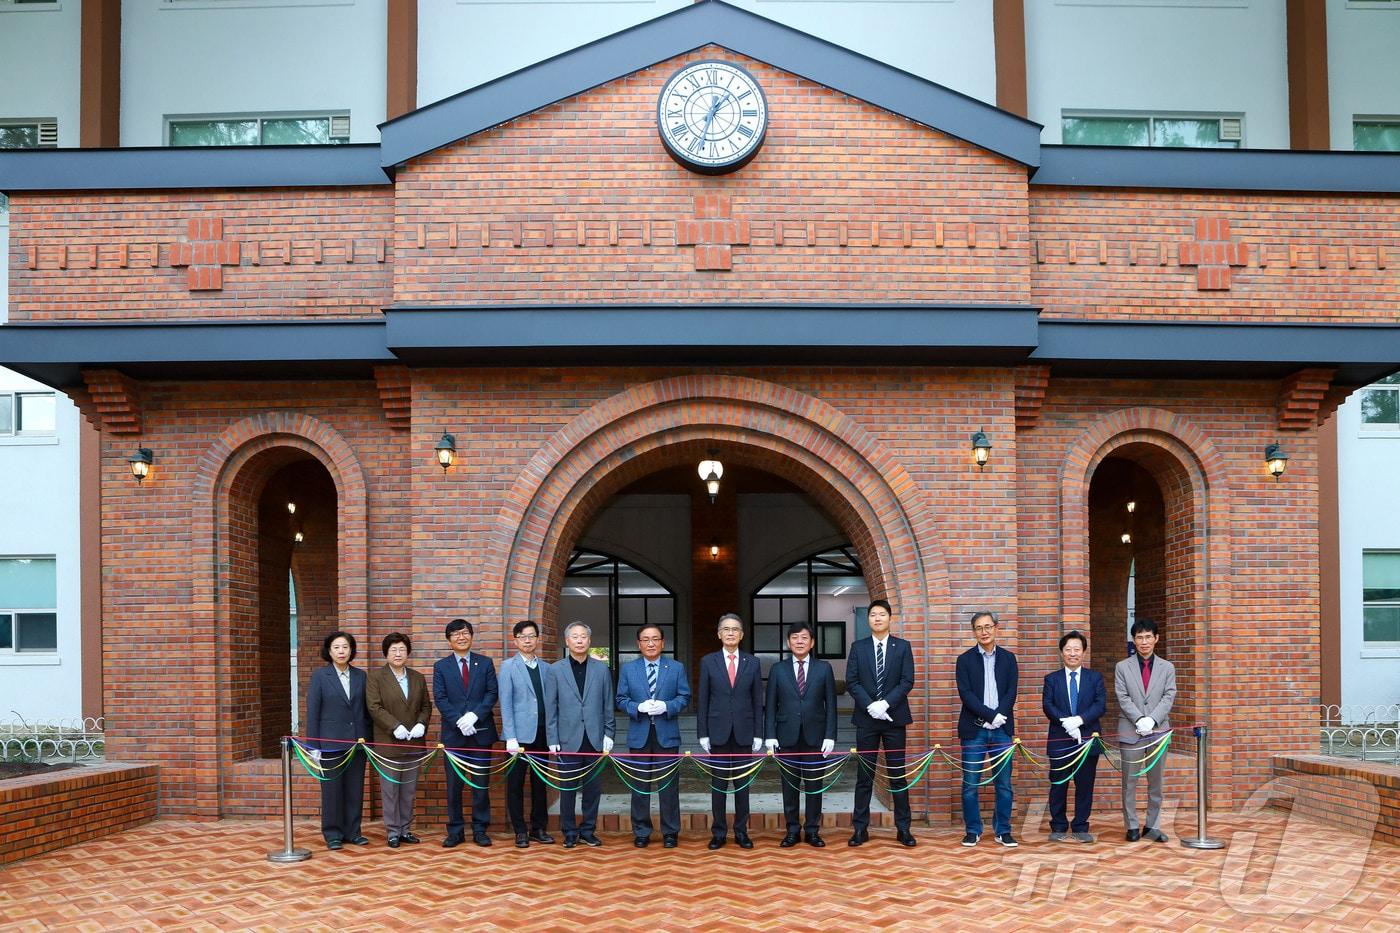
(396, 638)
(326, 645)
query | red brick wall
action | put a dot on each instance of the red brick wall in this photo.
(1353, 795)
(40, 813)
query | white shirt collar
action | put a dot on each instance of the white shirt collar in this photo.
(461, 657)
(882, 642)
(986, 654)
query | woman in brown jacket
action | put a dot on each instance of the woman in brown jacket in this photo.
(398, 701)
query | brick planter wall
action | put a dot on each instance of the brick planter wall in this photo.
(40, 812)
(1333, 790)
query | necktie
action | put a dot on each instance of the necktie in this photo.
(802, 677)
(466, 674)
(651, 679)
(1074, 691)
(733, 672)
(1146, 674)
(879, 670)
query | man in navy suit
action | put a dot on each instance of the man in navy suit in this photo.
(1073, 699)
(986, 676)
(800, 719)
(729, 719)
(652, 691)
(464, 688)
(879, 675)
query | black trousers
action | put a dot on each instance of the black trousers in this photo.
(515, 791)
(481, 794)
(343, 798)
(670, 796)
(807, 777)
(868, 743)
(575, 766)
(727, 766)
(1083, 781)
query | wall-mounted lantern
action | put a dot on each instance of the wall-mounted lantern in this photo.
(446, 449)
(711, 470)
(1276, 459)
(141, 463)
(981, 449)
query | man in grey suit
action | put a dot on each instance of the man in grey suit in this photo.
(1146, 688)
(524, 694)
(579, 721)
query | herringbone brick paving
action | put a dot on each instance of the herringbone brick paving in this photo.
(1278, 873)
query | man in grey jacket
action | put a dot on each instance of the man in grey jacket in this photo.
(524, 696)
(580, 724)
(1146, 688)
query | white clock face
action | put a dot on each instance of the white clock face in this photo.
(712, 116)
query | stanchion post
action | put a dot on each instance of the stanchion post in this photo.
(289, 853)
(1201, 840)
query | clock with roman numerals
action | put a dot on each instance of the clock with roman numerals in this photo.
(712, 116)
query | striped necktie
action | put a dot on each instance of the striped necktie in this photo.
(802, 677)
(879, 670)
(651, 679)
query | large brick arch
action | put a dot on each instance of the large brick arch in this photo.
(760, 424)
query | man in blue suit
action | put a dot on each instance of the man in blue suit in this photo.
(729, 720)
(986, 676)
(1073, 699)
(464, 688)
(652, 691)
(879, 676)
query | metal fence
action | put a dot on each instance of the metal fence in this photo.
(1370, 732)
(57, 740)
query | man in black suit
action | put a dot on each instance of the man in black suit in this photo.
(728, 720)
(986, 675)
(800, 719)
(465, 690)
(879, 675)
(1074, 699)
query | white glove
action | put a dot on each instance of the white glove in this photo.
(757, 744)
(554, 749)
(513, 747)
(469, 731)
(607, 744)
(704, 745)
(770, 744)
(879, 709)
(418, 730)
(828, 745)
(401, 733)
(466, 722)
(999, 721)
(1071, 722)
(315, 754)
(1074, 733)
(1144, 725)
(651, 707)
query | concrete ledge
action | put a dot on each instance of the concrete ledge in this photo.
(1355, 795)
(40, 813)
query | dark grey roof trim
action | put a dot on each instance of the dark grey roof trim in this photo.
(1219, 169)
(194, 167)
(705, 23)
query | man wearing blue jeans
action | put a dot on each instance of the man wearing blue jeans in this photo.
(986, 678)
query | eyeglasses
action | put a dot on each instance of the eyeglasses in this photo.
(649, 639)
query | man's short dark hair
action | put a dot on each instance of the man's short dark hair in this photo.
(396, 638)
(1144, 625)
(326, 645)
(522, 625)
(1073, 633)
(881, 603)
(796, 627)
(984, 614)
(650, 625)
(456, 625)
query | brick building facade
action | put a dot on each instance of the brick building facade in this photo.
(523, 266)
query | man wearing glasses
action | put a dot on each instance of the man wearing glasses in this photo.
(652, 690)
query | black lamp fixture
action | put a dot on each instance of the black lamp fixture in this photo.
(1276, 459)
(981, 449)
(714, 551)
(446, 451)
(141, 463)
(710, 471)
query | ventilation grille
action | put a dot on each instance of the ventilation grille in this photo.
(1231, 129)
(340, 128)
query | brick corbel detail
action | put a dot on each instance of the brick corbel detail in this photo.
(1031, 383)
(1301, 397)
(396, 394)
(1333, 400)
(117, 400)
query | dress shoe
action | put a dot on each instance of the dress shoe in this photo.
(1058, 836)
(816, 841)
(970, 839)
(859, 837)
(393, 842)
(1155, 834)
(522, 841)
(1132, 835)
(743, 840)
(333, 843)
(591, 840)
(789, 840)
(716, 842)
(540, 836)
(453, 841)
(409, 839)
(907, 839)
(641, 842)
(358, 841)
(570, 841)
(481, 839)
(1082, 837)
(669, 841)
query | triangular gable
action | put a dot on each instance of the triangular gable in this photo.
(709, 22)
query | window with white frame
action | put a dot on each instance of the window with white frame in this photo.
(283, 129)
(1172, 131)
(1375, 134)
(1380, 405)
(29, 5)
(1380, 598)
(28, 133)
(28, 414)
(28, 605)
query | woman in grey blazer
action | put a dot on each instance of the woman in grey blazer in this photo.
(335, 718)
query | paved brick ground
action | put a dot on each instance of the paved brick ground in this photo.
(1277, 874)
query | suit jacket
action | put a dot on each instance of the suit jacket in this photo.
(971, 679)
(329, 715)
(726, 712)
(571, 716)
(808, 718)
(1054, 700)
(388, 707)
(453, 703)
(1134, 702)
(672, 688)
(899, 680)
(520, 713)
